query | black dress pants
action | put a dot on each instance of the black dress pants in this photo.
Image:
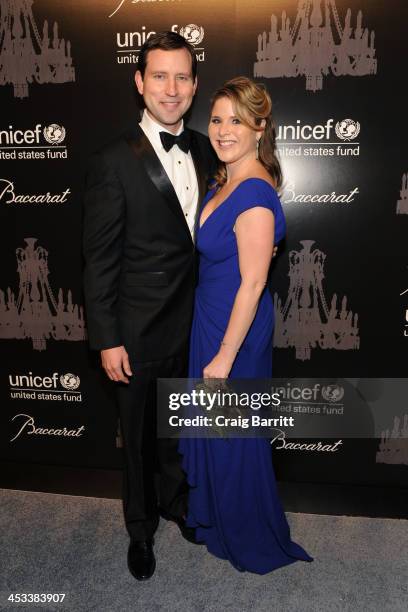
(145, 454)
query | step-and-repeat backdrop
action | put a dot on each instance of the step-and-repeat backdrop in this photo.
(336, 72)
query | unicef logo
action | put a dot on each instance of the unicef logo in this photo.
(70, 381)
(193, 33)
(348, 129)
(333, 393)
(54, 133)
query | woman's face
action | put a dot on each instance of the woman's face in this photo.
(232, 140)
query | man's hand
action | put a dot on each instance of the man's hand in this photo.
(115, 362)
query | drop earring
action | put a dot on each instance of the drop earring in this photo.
(257, 149)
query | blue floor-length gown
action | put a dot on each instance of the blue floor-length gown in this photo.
(233, 500)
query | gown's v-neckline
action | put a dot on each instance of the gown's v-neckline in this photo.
(215, 209)
(250, 178)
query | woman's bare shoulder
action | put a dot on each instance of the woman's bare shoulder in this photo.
(263, 176)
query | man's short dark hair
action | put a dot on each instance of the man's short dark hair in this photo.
(167, 41)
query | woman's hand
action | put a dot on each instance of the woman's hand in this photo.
(220, 366)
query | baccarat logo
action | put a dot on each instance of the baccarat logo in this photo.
(9, 194)
(24, 424)
(290, 195)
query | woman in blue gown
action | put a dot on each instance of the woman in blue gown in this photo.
(233, 499)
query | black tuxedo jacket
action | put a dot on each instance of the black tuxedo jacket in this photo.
(140, 262)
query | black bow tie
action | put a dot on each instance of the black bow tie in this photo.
(182, 140)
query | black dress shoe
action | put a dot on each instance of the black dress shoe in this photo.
(188, 533)
(141, 561)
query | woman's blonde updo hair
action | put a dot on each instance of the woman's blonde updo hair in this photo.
(252, 104)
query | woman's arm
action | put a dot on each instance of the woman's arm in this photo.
(254, 230)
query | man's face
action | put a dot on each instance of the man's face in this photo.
(167, 86)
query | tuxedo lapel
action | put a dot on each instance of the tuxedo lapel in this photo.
(201, 176)
(199, 168)
(141, 147)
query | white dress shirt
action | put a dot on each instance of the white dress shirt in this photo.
(179, 167)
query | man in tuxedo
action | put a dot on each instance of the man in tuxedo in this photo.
(140, 213)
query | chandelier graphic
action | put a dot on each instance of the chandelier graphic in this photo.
(315, 46)
(35, 313)
(393, 447)
(402, 204)
(25, 56)
(305, 321)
